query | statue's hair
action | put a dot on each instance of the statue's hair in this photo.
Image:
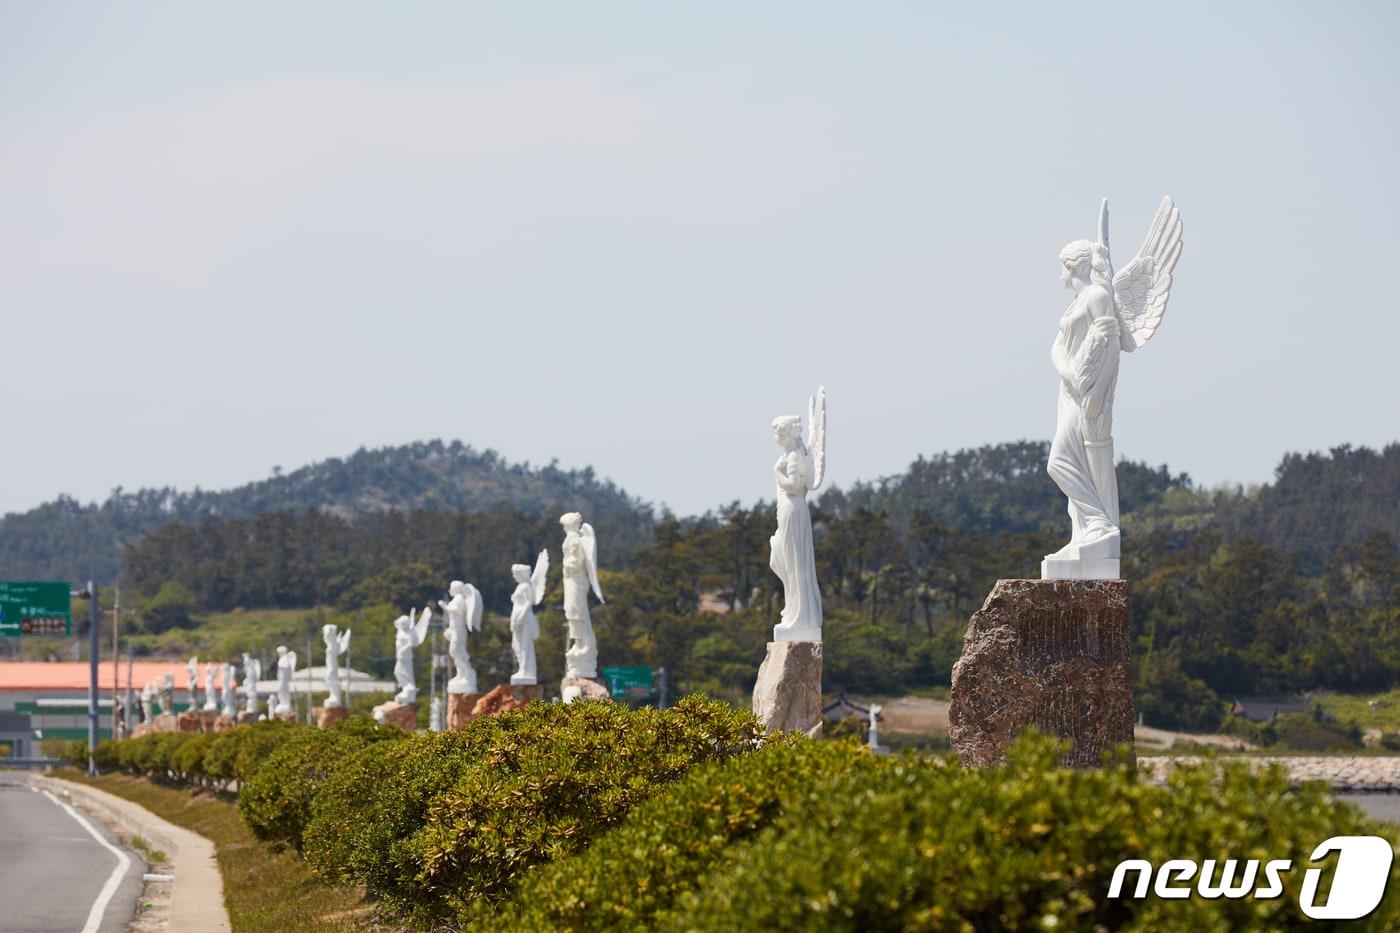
(517, 569)
(1081, 251)
(791, 423)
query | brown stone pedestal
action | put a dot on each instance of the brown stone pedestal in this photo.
(459, 709)
(189, 722)
(403, 715)
(285, 717)
(224, 723)
(506, 697)
(246, 718)
(329, 715)
(787, 697)
(589, 688)
(1053, 654)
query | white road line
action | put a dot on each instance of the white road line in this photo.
(99, 906)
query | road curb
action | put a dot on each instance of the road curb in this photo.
(197, 894)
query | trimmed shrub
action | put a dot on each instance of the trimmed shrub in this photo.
(632, 875)
(276, 798)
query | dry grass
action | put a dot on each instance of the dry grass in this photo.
(264, 888)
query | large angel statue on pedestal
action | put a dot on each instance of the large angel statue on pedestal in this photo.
(462, 614)
(524, 627)
(407, 636)
(799, 470)
(211, 696)
(252, 673)
(337, 643)
(580, 574)
(1111, 313)
(286, 668)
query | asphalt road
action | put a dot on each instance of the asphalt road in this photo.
(53, 873)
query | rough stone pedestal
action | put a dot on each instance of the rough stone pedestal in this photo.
(329, 715)
(787, 696)
(583, 688)
(459, 709)
(247, 717)
(403, 715)
(189, 722)
(285, 717)
(503, 699)
(1053, 654)
(224, 723)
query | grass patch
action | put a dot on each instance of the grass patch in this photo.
(264, 888)
(1368, 710)
(153, 856)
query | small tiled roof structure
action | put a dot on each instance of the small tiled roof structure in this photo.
(73, 675)
(1268, 708)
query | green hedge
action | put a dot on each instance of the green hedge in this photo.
(824, 838)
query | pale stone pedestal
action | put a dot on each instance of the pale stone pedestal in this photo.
(329, 715)
(285, 717)
(787, 697)
(1053, 654)
(583, 688)
(459, 709)
(403, 715)
(224, 723)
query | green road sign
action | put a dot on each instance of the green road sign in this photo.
(629, 683)
(35, 608)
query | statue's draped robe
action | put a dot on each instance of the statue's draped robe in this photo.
(1081, 454)
(582, 653)
(792, 556)
(524, 629)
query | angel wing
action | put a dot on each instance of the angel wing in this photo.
(420, 628)
(539, 577)
(816, 435)
(1141, 288)
(474, 607)
(590, 552)
(342, 642)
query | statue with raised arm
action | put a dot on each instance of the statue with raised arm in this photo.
(524, 627)
(192, 681)
(230, 691)
(167, 694)
(252, 673)
(407, 636)
(337, 643)
(1111, 313)
(286, 668)
(800, 469)
(580, 575)
(211, 695)
(461, 614)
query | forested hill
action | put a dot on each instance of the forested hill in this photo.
(65, 539)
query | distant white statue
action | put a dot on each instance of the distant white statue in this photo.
(252, 673)
(211, 695)
(168, 693)
(462, 614)
(337, 643)
(580, 575)
(1111, 313)
(192, 681)
(286, 667)
(799, 470)
(230, 690)
(874, 740)
(148, 694)
(524, 627)
(435, 715)
(407, 636)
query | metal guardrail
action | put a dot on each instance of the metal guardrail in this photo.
(27, 764)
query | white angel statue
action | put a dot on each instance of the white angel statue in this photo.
(286, 668)
(799, 470)
(337, 643)
(580, 574)
(463, 614)
(1110, 313)
(407, 636)
(192, 681)
(211, 695)
(167, 695)
(230, 688)
(524, 627)
(252, 673)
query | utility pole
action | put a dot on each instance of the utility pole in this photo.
(92, 678)
(116, 677)
(126, 704)
(308, 678)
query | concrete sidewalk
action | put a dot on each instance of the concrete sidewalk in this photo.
(197, 898)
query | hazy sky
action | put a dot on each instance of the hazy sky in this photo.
(241, 235)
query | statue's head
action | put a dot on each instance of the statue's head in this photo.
(328, 632)
(456, 588)
(1084, 261)
(402, 623)
(572, 522)
(786, 429)
(281, 650)
(521, 572)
